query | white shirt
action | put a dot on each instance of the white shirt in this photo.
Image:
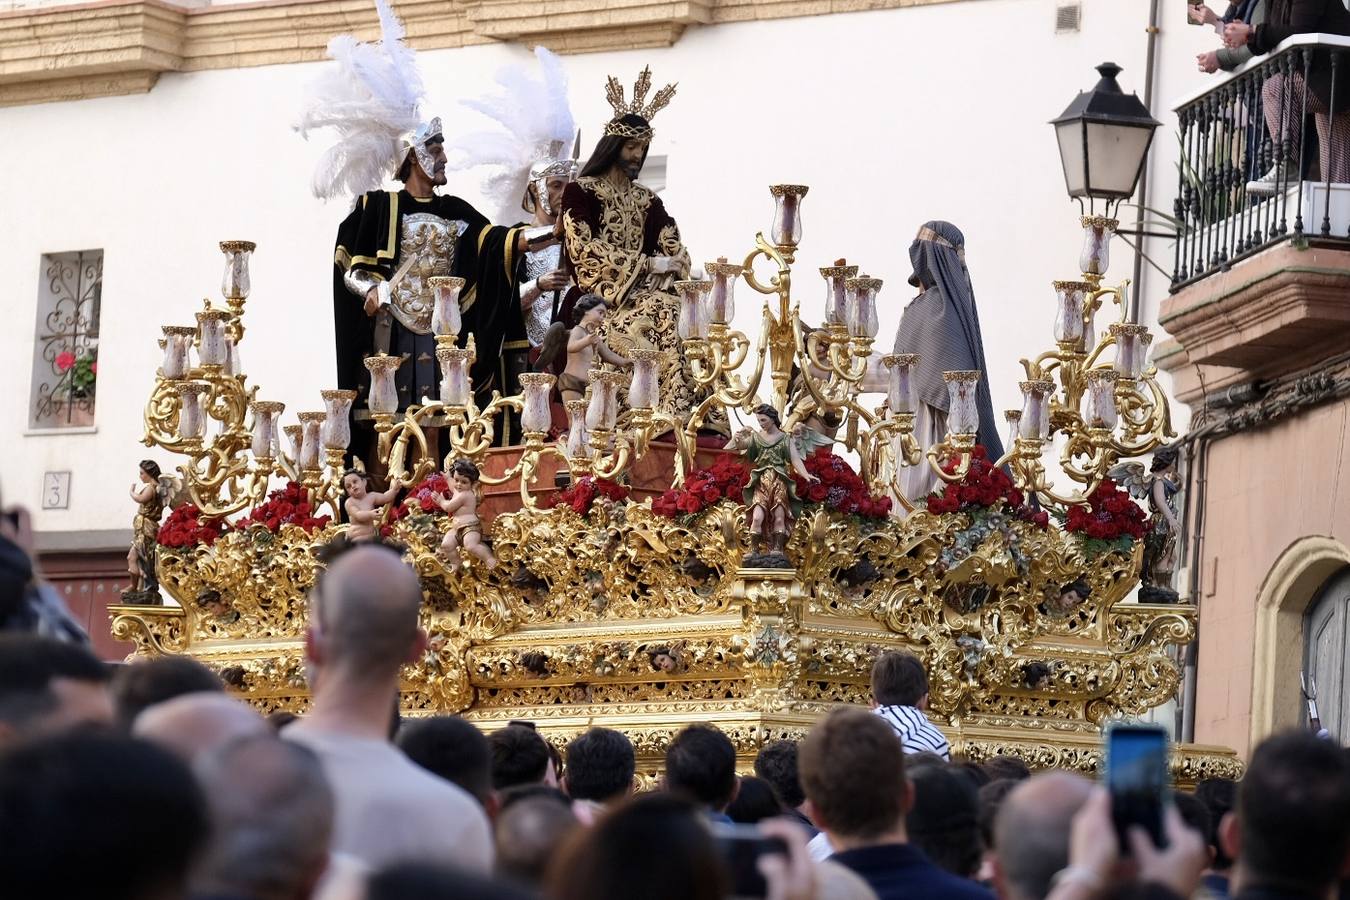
(917, 734)
(391, 810)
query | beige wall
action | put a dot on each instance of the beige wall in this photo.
(1276, 524)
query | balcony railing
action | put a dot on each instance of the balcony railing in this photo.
(1226, 142)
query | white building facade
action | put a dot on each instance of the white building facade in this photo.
(893, 111)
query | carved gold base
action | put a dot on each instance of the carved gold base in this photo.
(634, 621)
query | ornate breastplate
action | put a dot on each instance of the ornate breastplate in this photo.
(429, 241)
(540, 314)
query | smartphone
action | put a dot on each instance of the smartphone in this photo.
(1136, 776)
(741, 847)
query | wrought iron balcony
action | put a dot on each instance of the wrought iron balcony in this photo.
(1241, 129)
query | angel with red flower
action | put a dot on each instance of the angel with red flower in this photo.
(770, 494)
(363, 504)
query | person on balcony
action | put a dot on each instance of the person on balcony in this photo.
(1284, 19)
(1252, 12)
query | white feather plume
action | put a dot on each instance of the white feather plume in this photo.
(530, 111)
(372, 99)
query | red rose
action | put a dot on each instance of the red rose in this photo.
(689, 503)
(817, 492)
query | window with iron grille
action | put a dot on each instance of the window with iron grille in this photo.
(65, 350)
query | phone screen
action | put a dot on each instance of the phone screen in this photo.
(741, 847)
(1136, 775)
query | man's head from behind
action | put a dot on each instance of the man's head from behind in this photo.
(272, 816)
(1031, 833)
(1219, 796)
(144, 683)
(1291, 831)
(701, 765)
(899, 679)
(455, 750)
(519, 756)
(97, 815)
(600, 766)
(363, 617)
(195, 724)
(48, 686)
(853, 771)
(777, 764)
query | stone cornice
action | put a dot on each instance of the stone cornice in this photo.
(54, 53)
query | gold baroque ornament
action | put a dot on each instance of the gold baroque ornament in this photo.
(624, 617)
(644, 623)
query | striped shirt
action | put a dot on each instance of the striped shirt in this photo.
(917, 734)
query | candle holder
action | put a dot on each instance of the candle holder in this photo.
(1132, 342)
(603, 412)
(191, 417)
(1014, 419)
(456, 391)
(445, 312)
(1036, 401)
(901, 391)
(311, 441)
(722, 293)
(836, 295)
(963, 415)
(1070, 312)
(644, 388)
(1095, 258)
(535, 418)
(295, 436)
(578, 457)
(264, 444)
(337, 426)
(692, 324)
(212, 349)
(1100, 411)
(787, 218)
(177, 341)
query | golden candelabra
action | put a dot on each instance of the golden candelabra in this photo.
(619, 615)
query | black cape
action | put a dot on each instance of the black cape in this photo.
(369, 239)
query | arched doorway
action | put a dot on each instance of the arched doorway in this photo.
(1327, 644)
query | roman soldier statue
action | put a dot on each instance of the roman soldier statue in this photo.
(393, 241)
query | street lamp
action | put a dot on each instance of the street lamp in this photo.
(1104, 137)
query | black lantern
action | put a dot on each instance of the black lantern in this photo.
(1104, 138)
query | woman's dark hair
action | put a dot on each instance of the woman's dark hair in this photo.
(585, 303)
(150, 467)
(608, 147)
(944, 822)
(1164, 457)
(755, 801)
(655, 845)
(765, 409)
(466, 468)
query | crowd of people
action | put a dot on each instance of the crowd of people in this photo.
(152, 782)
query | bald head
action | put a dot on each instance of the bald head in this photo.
(272, 815)
(365, 609)
(194, 724)
(1031, 833)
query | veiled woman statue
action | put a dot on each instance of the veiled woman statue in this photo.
(1160, 487)
(150, 492)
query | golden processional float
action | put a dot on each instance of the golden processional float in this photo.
(627, 604)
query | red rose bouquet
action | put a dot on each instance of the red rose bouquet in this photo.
(840, 488)
(186, 527)
(285, 506)
(585, 491)
(725, 479)
(1110, 521)
(984, 487)
(423, 497)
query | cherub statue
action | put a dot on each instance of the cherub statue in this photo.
(582, 343)
(668, 660)
(771, 494)
(462, 507)
(151, 491)
(364, 505)
(1160, 486)
(1070, 597)
(211, 602)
